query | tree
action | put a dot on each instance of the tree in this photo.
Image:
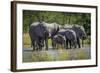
(61, 18)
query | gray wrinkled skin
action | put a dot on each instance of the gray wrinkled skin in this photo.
(38, 34)
(80, 34)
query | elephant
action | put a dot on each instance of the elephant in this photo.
(38, 35)
(53, 33)
(70, 37)
(80, 34)
(53, 28)
(58, 40)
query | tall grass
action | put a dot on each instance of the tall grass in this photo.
(26, 40)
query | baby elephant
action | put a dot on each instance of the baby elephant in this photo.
(70, 37)
(59, 40)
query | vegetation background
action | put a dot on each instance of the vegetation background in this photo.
(62, 18)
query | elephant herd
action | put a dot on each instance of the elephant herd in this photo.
(67, 36)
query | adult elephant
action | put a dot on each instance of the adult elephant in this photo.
(53, 31)
(80, 34)
(53, 28)
(70, 37)
(38, 34)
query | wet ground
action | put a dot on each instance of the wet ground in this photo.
(64, 54)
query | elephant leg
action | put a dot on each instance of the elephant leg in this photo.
(52, 44)
(46, 43)
(39, 45)
(82, 43)
(58, 45)
(75, 44)
(62, 45)
(36, 46)
(33, 44)
(70, 44)
(40, 48)
(66, 44)
(78, 42)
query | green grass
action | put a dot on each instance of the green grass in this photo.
(41, 57)
(49, 42)
(81, 55)
(26, 39)
(64, 56)
(86, 41)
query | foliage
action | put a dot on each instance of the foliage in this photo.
(61, 18)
